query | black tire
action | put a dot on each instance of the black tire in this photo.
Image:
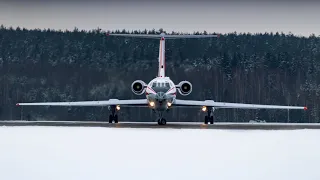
(211, 120)
(163, 121)
(206, 120)
(110, 118)
(115, 119)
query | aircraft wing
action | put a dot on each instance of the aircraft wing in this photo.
(210, 103)
(123, 103)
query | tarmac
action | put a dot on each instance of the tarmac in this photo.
(171, 125)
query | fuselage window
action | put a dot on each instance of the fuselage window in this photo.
(167, 84)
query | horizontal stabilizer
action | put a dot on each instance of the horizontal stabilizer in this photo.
(166, 36)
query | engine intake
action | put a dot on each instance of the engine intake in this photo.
(184, 88)
(138, 87)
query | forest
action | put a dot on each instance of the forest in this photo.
(41, 65)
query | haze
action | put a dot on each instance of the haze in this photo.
(300, 18)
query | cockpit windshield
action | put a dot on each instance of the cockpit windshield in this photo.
(161, 86)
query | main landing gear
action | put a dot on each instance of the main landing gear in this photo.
(209, 118)
(113, 117)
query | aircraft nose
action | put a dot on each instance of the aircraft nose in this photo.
(160, 96)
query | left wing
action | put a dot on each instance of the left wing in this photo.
(210, 103)
(131, 102)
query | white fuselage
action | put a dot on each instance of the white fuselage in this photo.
(161, 93)
(161, 84)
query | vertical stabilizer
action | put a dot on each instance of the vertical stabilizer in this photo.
(161, 71)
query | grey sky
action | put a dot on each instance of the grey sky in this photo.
(301, 18)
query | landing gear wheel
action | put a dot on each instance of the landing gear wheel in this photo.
(162, 121)
(211, 120)
(110, 118)
(115, 118)
(206, 120)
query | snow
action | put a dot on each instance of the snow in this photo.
(82, 153)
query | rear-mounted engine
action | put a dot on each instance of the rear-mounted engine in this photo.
(138, 87)
(184, 88)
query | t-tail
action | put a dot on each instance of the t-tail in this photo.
(163, 37)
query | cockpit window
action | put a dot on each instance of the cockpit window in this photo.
(154, 84)
(161, 86)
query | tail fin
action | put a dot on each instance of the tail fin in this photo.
(161, 70)
(162, 36)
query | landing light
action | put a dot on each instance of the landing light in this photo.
(204, 108)
(169, 104)
(151, 103)
(118, 107)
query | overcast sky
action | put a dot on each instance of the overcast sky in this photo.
(301, 18)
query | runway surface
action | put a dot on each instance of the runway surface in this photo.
(172, 125)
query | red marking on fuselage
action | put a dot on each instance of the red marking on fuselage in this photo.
(170, 90)
(151, 90)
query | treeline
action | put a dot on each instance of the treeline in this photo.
(48, 65)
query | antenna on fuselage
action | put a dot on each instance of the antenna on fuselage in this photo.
(163, 37)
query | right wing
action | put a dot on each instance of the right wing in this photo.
(130, 102)
(210, 103)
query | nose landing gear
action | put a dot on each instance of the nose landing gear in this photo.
(162, 121)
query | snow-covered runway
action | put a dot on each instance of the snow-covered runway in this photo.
(83, 153)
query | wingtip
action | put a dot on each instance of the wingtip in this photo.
(305, 108)
(17, 104)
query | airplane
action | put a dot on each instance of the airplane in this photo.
(161, 92)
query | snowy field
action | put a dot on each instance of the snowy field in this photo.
(73, 153)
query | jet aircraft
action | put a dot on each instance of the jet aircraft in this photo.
(161, 92)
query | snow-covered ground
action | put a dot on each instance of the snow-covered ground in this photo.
(74, 153)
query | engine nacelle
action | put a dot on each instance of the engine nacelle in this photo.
(138, 87)
(184, 88)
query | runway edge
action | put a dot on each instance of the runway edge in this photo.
(172, 125)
